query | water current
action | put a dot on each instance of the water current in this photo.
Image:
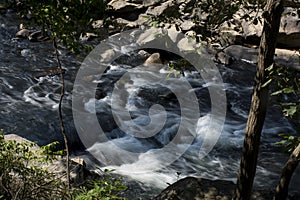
(29, 108)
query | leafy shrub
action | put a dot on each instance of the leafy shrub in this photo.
(287, 90)
(105, 189)
(22, 177)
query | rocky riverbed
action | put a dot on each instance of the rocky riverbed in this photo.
(29, 86)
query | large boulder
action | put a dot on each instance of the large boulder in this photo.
(204, 189)
(284, 57)
(289, 33)
(129, 10)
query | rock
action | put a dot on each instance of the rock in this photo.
(144, 54)
(283, 57)
(289, 23)
(26, 52)
(204, 189)
(187, 25)
(126, 9)
(50, 71)
(37, 36)
(23, 33)
(126, 23)
(197, 188)
(15, 137)
(289, 33)
(168, 8)
(288, 58)
(153, 59)
(238, 52)
(147, 3)
(88, 36)
(123, 6)
(97, 24)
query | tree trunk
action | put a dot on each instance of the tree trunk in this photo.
(286, 175)
(272, 15)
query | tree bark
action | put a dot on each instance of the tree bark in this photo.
(281, 192)
(272, 15)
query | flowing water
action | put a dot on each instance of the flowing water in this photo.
(29, 108)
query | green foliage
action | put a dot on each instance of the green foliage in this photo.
(21, 174)
(64, 19)
(287, 89)
(289, 141)
(177, 68)
(105, 188)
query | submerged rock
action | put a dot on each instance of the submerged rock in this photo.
(51, 71)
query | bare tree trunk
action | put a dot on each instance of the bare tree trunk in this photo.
(281, 192)
(60, 114)
(272, 15)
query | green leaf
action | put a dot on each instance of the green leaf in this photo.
(267, 83)
(288, 112)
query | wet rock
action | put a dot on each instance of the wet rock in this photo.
(143, 54)
(88, 36)
(153, 59)
(38, 36)
(23, 33)
(155, 94)
(204, 189)
(51, 71)
(197, 188)
(26, 52)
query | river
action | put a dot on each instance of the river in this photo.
(29, 108)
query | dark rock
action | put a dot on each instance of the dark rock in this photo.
(51, 71)
(156, 94)
(191, 188)
(38, 36)
(197, 188)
